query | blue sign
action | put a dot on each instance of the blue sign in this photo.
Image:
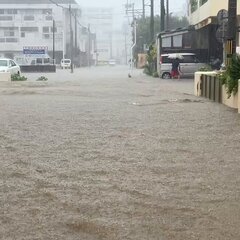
(35, 50)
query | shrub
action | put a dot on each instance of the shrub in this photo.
(206, 68)
(42, 78)
(155, 74)
(17, 77)
(231, 76)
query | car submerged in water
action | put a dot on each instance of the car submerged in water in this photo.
(9, 65)
(112, 62)
(65, 63)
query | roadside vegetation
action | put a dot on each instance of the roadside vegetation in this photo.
(230, 77)
(145, 44)
(17, 77)
(42, 78)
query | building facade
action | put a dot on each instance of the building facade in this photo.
(100, 22)
(203, 16)
(27, 25)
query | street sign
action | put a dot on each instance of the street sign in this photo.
(222, 16)
(221, 33)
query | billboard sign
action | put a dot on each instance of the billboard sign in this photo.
(38, 51)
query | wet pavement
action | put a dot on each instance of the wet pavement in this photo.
(96, 155)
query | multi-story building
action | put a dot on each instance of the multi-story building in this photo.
(203, 16)
(100, 21)
(29, 24)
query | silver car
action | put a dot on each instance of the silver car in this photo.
(9, 65)
(189, 64)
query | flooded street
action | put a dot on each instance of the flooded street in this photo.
(96, 155)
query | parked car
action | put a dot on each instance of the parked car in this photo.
(65, 63)
(189, 64)
(112, 62)
(9, 65)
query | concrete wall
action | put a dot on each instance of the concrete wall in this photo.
(232, 102)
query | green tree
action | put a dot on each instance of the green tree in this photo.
(143, 29)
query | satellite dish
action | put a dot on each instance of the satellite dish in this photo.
(222, 16)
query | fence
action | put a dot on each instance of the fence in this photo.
(211, 87)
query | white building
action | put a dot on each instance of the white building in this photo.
(29, 24)
(100, 21)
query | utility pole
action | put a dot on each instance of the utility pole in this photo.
(167, 22)
(162, 10)
(71, 37)
(53, 41)
(134, 25)
(152, 20)
(232, 26)
(143, 3)
(89, 45)
(125, 41)
(76, 31)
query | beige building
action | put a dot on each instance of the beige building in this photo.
(204, 12)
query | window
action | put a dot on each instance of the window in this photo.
(12, 63)
(46, 60)
(11, 11)
(39, 61)
(47, 11)
(1, 11)
(203, 2)
(49, 18)
(167, 42)
(22, 34)
(45, 29)
(3, 63)
(6, 18)
(177, 41)
(2, 39)
(189, 59)
(8, 34)
(193, 5)
(46, 36)
(29, 29)
(11, 40)
(165, 59)
(28, 18)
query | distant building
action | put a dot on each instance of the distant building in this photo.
(28, 24)
(100, 21)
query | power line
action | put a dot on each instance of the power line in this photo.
(71, 13)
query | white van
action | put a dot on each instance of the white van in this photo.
(65, 63)
(189, 64)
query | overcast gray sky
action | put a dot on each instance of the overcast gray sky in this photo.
(175, 5)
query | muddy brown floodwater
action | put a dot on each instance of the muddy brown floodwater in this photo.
(95, 155)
